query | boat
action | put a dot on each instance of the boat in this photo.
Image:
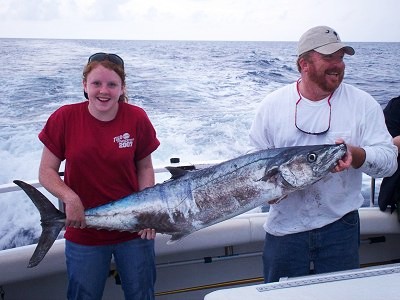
(377, 282)
(205, 264)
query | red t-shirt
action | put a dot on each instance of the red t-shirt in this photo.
(99, 159)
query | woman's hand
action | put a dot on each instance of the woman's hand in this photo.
(75, 213)
(148, 233)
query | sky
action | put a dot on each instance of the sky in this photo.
(226, 20)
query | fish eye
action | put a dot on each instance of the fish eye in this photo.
(312, 157)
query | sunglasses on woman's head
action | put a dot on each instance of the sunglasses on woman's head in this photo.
(101, 56)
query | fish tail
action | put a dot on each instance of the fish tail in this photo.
(52, 221)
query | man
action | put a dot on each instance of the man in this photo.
(389, 192)
(320, 225)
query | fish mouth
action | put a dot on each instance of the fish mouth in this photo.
(338, 154)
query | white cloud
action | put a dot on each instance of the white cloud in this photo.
(355, 20)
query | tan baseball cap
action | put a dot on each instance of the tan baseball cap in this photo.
(322, 39)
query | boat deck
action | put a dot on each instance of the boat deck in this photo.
(367, 283)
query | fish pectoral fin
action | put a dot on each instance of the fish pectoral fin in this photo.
(176, 237)
(176, 172)
(270, 173)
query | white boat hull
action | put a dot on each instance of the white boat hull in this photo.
(223, 254)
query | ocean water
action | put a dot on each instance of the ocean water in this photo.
(200, 96)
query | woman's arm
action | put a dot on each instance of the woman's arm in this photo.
(145, 173)
(51, 181)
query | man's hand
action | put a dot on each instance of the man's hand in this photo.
(344, 163)
(346, 160)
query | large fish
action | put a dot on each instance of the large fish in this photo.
(192, 200)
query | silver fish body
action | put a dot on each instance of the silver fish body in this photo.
(192, 200)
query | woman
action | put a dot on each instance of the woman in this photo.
(106, 144)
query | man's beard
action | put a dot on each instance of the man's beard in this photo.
(324, 84)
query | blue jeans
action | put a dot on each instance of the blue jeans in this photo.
(331, 248)
(88, 268)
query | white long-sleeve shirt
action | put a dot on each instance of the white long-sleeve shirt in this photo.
(356, 118)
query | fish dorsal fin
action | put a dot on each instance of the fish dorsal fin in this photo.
(176, 172)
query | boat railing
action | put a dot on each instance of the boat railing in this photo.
(159, 171)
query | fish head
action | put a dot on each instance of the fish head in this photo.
(309, 164)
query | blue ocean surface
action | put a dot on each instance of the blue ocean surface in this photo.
(200, 96)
